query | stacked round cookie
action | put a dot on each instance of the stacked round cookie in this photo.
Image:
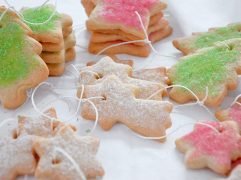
(55, 35)
(125, 22)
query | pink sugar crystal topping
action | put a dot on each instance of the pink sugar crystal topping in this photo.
(123, 11)
(219, 146)
(235, 113)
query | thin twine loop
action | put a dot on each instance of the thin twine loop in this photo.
(176, 130)
(75, 165)
(198, 101)
(32, 23)
(222, 43)
(236, 100)
(146, 41)
(80, 100)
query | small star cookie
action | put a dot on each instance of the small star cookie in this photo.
(205, 147)
(77, 154)
(16, 157)
(41, 126)
(119, 104)
(106, 67)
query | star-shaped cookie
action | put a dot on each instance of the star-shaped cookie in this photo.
(107, 13)
(41, 126)
(119, 104)
(21, 68)
(231, 114)
(63, 156)
(205, 147)
(106, 67)
(16, 157)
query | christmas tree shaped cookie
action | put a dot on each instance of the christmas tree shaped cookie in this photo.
(202, 40)
(21, 68)
(213, 68)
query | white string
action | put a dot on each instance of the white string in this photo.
(198, 101)
(236, 100)
(80, 100)
(32, 23)
(146, 40)
(75, 165)
(176, 130)
(222, 43)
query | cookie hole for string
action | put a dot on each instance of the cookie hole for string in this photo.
(104, 98)
(56, 161)
(35, 155)
(15, 134)
(100, 76)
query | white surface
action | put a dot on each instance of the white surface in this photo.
(125, 156)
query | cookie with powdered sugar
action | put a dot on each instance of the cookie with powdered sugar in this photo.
(214, 148)
(106, 67)
(120, 105)
(16, 157)
(43, 126)
(67, 156)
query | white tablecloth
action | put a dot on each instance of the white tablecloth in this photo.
(125, 156)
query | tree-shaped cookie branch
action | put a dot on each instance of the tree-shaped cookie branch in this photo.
(119, 104)
(207, 39)
(214, 69)
(21, 68)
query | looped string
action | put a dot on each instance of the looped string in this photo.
(198, 101)
(80, 100)
(222, 43)
(73, 162)
(32, 23)
(236, 100)
(176, 130)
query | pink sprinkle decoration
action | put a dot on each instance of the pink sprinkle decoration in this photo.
(219, 146)
(235, 113)
(123, 11)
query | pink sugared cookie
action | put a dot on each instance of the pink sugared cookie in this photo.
(231, 114)
(121, 14)
(206, 147)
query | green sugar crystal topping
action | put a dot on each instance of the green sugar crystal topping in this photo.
(221, 34)
(208, 69)
(41, 15)
(14, 62)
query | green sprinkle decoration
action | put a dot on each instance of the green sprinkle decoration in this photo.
(207, 69)
(14, 60)
(40, 15)
(221, 34)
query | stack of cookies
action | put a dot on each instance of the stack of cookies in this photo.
(116, 21)
(55, 35)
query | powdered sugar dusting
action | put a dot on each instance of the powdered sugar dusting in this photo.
(81, 149)
(16, 157)
(147, 117)
(106, 67)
